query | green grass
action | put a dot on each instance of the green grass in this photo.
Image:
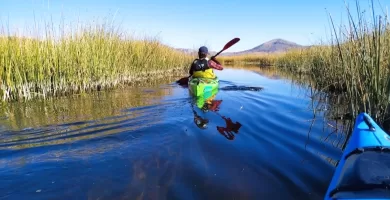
(91, 57)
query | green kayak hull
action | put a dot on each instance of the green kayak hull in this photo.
(200, 87)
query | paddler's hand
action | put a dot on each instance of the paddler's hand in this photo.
(215, 65)
(215, 60)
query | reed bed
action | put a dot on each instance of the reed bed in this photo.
(355, 64)
(260, 59)
(91, 57)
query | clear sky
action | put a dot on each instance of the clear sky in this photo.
(189, 24)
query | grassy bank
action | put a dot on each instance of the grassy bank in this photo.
(355, 64)
(93, 57)
(260, 59)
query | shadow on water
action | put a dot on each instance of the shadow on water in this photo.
(264, 134)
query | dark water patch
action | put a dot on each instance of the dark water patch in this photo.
(241, 88)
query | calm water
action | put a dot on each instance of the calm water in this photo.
(143, 143)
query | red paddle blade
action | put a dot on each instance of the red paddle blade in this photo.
(231, 43)
(182, 81)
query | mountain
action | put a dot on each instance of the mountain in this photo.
(272, 46)
(275, 45)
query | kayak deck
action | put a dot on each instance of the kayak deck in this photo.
(364, 169)
(200, 86)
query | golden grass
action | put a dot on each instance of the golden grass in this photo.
(93, 57)
(355, 64)
(261, 59)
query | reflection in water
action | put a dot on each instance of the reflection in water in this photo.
(199, 121)
(210, 104)
(230, 127)
(69, 119)
(327, 110)
(141, 143)
(83, 107)
(327, 106)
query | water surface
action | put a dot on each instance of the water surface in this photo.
(143, 143)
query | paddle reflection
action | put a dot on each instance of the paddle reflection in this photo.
(210, 104)
(229, 129)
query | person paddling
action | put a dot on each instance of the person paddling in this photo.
(202, 67)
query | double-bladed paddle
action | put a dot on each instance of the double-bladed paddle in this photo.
(227, 45)
(184, 80)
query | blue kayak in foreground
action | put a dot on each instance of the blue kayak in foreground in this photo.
(364, 168)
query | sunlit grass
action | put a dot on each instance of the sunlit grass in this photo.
(355, 64)
(90, 57)
(261, 59)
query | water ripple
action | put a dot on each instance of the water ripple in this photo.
(144, 143)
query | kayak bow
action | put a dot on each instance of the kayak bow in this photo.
(364, 168)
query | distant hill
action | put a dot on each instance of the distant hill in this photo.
(272, 46)
(275, 45)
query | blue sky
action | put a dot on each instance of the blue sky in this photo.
(190, 24)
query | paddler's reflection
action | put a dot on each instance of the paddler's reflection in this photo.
(213, 105)
(199, 121)
(209, 105)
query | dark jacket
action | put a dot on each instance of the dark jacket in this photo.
(199, 65)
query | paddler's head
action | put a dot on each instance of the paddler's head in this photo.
(203, 51)
(201, 123)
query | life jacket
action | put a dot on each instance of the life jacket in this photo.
(201, 69)
(200, 65)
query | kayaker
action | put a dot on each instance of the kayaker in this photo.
(202, 67)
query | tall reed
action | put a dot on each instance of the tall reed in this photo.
(89, 57)
(355, 63)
